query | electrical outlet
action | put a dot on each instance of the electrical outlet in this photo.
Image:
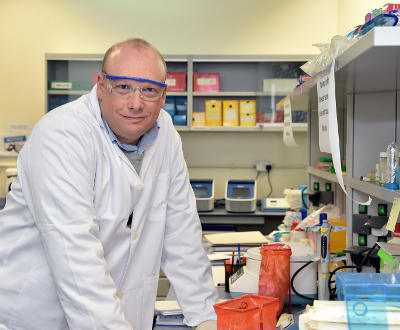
(263, 166)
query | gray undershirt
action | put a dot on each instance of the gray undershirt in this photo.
(135, 159)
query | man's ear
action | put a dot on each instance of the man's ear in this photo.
(100, 85)
(163, 97)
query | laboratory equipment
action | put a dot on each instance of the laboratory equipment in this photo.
(274, 204)
(392, 154)
(204, 191)
(11, 176)
(369, 298)
(323, 272)
(240, 195)
(246, 279)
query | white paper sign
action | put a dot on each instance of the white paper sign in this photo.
(327, 84)
(323, 113)
(288, 138)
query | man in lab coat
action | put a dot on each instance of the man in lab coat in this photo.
(102, 201)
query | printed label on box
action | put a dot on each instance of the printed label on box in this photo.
(61, 85)
(206, 81)
(230, 114)
(170, 82)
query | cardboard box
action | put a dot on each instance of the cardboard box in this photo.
(213, 112)
(199, 119)
(230, 113)
(206, 82)
(247, 110)
(176, 81)
(284, 85)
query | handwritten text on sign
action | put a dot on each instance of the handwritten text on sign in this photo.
(323, 99)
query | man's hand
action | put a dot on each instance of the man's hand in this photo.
(207, 325)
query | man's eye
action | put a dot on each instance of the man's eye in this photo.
(150, 90)
(123, 87)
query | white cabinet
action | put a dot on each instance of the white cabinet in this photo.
(367, 92)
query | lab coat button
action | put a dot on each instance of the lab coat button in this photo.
(139, 186)
(120, 294)
(134, 235)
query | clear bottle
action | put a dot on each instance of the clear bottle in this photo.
(377, 174)
(382, 168)
(392, 153)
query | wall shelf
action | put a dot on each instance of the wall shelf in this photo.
(368, 103)
(322, 174)
(241, 78)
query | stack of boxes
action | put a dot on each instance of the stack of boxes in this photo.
(228, 113)
(176, 106)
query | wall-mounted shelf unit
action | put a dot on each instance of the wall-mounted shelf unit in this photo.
(367, 77)
(241, 78)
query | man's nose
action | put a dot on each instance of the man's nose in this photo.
(135, 100)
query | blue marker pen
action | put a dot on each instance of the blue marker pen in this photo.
(239, 261)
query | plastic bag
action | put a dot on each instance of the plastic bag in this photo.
(274, 276)
(248, 312)
(312, 219)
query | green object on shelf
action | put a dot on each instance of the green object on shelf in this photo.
(385, 257)
(325, 159)
(332, 169)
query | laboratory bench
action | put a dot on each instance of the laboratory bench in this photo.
(266, 222)
(296, 310)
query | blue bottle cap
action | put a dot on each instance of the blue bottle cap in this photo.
(392, 185)
(322, 217)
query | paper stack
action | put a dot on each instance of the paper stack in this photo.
(229, 241)
(168, 314)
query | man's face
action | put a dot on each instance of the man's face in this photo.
(129, 118)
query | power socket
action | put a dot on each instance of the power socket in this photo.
(263, 166)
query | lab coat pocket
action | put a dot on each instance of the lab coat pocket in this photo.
(149, 299)
(37, 306)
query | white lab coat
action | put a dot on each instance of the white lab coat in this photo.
(67, 258)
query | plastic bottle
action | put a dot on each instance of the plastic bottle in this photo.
(377, 174)
(392, 154)
(382, 168)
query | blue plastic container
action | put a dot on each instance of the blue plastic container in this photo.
(368, 296)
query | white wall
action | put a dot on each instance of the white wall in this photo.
(30, 29)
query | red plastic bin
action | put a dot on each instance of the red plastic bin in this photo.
(248, 312)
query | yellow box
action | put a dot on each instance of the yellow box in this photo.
(338, 238)
(213, 112)
(199, 119)
(248, 113)
(230, 113)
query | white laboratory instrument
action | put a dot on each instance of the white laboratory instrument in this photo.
(204, 191)
(11, 176)
(246, 279)
(274, 204)
(240, 195)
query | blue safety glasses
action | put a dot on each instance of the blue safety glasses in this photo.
(125, 87)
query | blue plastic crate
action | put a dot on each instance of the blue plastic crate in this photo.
(368, 296)
(368, 286)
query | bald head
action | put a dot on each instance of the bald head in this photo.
(131, 44)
